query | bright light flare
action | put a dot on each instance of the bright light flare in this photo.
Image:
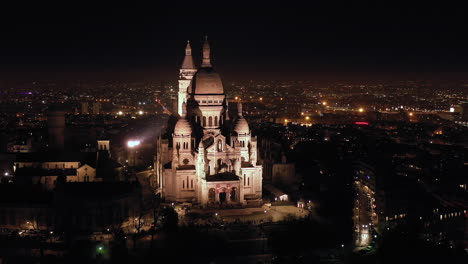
(133, 143)
(361, 110)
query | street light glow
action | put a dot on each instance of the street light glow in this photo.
(361, 110)
(133, 143)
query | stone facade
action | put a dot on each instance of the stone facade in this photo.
(208, 159)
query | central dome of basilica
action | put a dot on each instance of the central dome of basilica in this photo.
(207, 81)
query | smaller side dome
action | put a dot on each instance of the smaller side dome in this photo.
(241, 126)
(183, 127)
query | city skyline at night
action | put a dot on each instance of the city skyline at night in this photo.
(202, 132)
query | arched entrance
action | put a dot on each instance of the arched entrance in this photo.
(212, 195)
(233, 194)
(222, 196)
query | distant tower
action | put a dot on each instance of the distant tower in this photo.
(186, 73)
(96, 108)
(84, 108)
(464, 111)
(56, 128)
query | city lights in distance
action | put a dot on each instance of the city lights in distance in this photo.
(361, 110)
(307, 118)
(361, 123)
(140, 112)
(133, 143)
(120, 113)
(452, 109)
(324, 103)
(411, 114)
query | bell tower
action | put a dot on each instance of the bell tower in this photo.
(186, 73)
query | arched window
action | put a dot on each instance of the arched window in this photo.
(204, 121)
(212, 194)
(216, 121)
(233, 194)
(210, 121)
(220, 145)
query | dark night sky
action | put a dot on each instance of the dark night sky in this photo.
(258, 41)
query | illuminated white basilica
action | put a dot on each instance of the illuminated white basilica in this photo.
(208, 159)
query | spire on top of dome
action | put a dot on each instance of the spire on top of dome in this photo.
(188, 59)
(188, 48)
(184, 110)
(206, 54)
(239, 108)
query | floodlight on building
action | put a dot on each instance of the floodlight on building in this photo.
(133, 143)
